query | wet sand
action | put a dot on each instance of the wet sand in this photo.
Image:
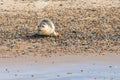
(69, 67)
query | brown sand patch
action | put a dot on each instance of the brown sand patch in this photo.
(86, 26)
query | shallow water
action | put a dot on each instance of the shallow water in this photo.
(30, 70)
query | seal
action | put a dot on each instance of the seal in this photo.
(46, 27)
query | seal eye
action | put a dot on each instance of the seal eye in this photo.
(43, 26)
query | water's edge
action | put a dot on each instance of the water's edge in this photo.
(61, 68)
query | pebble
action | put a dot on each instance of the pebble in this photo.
(32, 75)
(81, 70)
(34, 41)
(63, 31)
(76, 43)
(16, 74)
(52, 39)
(58, 75)
(115, 37)
(110, 66)
(72, 23)
(23, 53)
(35, 47)
(67, 43)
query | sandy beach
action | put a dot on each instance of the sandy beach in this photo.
(85, 27)
(88, 48)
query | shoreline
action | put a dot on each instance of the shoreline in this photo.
(68, 67)
(106, 58)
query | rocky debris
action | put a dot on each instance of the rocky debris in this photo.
(82, 30)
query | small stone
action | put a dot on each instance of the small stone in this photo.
(34, 41)
(6, 69)
(58, 75)
(61, 5)
(32, 75)
(73, 36)
(75, 43)
(1, 42)
(30, 50)
(16, 75)
(34, 47)
(23, 53)
(95, 78)
(1, 3)
(110, 66)
(81, 70)
(67, 43)
(62, 31)
(52, 39)
(74, 31)
(116, 37)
